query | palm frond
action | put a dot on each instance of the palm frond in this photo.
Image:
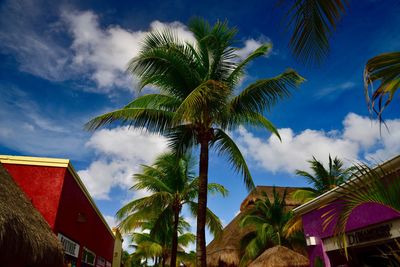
(212, 221)
(155, 101)
(384, 68)
(153, 120)
(181, 138)
(264, 94)
(224, 145)
(238, 72)
(312, 23)
(304, 195)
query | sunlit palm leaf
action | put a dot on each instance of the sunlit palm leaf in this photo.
(385, 69)
(224, 145)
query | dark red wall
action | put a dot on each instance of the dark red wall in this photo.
(42, 185)
(78, 220)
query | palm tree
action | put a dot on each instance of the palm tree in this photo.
(367, 185)
(322, 179)
(269, 221)
(197, 103)
(171, 184)
(155, 244)
(312, 23)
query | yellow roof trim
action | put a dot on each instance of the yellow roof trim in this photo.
(55, 162)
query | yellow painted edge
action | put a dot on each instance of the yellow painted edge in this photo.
(55, 162)
(36, 161)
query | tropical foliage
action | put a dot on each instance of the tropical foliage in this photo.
(154, 244)
(367, 185)
(198, 101)
(171, 183)
(312, 22)
(322, 179)
(384, 68)
(268, 219)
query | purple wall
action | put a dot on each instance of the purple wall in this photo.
(363, 216)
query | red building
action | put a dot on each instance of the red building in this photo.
(56, 190)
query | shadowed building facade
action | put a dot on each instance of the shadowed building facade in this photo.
(56, 191)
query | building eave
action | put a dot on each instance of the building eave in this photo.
(331, 195)
(60, 163)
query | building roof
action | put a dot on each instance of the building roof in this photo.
(226, 248)
(280, 256)
(392, 165)
(25, 237)
(56, 162)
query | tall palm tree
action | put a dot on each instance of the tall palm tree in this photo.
(322, 179)
(268, 219)
(171, 184)
(312, 22)
(197, 102)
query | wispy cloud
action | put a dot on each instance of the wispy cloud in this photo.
(334, 91)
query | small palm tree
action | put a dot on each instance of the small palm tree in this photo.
(366, 185)
(198, 101)
(171, 184)
(269, 220)
(322, 179)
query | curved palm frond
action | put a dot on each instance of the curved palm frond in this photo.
(264, 94)
(212, 221)
(312, 23)
(304, 195)
(238, 72)
(224, 145)
(384, 68)
(155, 101)
(152, 120)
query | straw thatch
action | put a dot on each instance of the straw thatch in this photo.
(225, 250)
(26, 239)
(280, 256)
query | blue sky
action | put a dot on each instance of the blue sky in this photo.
(63, 62)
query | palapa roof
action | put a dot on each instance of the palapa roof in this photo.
(225, 249)
(280, 256)
(25, 237)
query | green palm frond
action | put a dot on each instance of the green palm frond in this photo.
(155, 101)
(181, 138)
(186, 238)
(235, 76)
(312, 22)
(304, 195)
(227, 147)
(153, 120)
(264, 94)
(203, 102)
(384, 68)
(214, 188)
(212, 221)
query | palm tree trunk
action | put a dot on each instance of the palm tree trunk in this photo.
(163, 261)
(201, 260)
(174, 249)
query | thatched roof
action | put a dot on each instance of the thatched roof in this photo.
(25, 237)
(280, 256)
(257, 193)
(225, 249)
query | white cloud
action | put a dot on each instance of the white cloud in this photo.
(120, 152)
(252, 44)
(104, 53)
(358, 140)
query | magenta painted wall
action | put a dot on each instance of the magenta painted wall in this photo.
(363, 216)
